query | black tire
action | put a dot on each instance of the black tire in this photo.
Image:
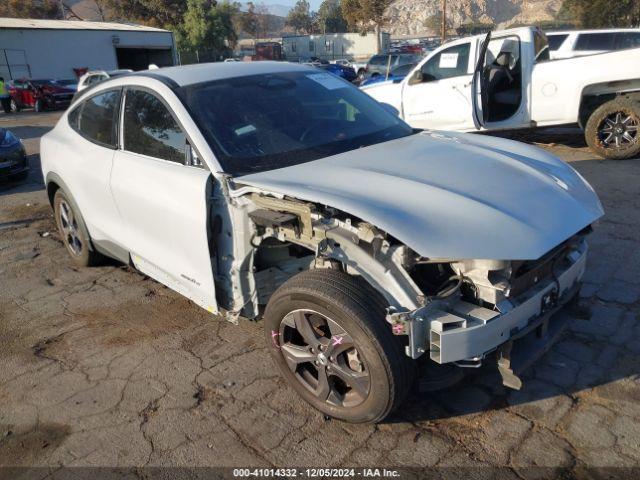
(73, 231)
(371, 355)
(14, 106)
(606, 128)
(39, 105)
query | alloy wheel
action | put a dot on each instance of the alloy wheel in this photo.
(323, 358)
(619, 130)
(70, 228)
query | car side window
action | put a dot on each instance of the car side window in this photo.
(556, 41)
(74, 118)
(96, 118)
(150, 128)
(627, 40)
(450, 62)
(595, 41)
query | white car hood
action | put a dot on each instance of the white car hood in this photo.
(449, 195)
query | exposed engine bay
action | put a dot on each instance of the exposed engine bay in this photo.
(454, 310)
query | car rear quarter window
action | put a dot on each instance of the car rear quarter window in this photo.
(627, 40)
(96, 118)
(595, 41)
(556, 41)
(150, 128)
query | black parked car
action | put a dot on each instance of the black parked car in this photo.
(13, 158)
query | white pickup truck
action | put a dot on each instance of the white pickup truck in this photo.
(507, 81)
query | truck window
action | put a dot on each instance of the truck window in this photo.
(627, 40)
(450, 62)
(556, 41)
(595, 41)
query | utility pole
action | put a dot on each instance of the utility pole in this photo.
(444, 20)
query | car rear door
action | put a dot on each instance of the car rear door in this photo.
(501, 89)
(90, 159)
(162, 201)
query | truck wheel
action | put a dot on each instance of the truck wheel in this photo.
(39, 106)
(612, 129)
(327, 333)
(73, 232)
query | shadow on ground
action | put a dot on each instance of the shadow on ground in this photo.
(33, 183)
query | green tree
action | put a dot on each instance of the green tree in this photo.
(264, 20)
(601, 13)
(300, 17)
(474, 28)
(208, 26)
(47, 9)
(329, 17)
(248, 21)
(157, 13)
(366, 15)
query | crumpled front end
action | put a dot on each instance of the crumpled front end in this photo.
(501, 307)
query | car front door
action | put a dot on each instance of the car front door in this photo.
(21, 93)
(438, 95)
(163, 202)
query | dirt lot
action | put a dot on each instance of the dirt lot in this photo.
(104, 367)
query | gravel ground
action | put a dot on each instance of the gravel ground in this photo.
(105, 367)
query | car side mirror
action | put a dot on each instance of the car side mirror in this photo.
(192, 159)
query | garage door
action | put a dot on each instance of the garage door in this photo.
(141, 58)
(13, 64)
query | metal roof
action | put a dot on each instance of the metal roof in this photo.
(30, 23)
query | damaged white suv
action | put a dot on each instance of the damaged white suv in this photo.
(275, 190)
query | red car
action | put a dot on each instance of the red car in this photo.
(39, 94)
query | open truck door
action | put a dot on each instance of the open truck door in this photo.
(501, 82)
(478, 89)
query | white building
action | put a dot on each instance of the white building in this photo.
(352, 46)
(53, 48)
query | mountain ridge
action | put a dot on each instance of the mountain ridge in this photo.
(415, 17)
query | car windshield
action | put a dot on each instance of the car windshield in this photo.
(264, 122)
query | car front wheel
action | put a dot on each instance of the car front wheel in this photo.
(326, 331)
(612, 129)
(73, 231)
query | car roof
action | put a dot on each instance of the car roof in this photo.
(601, 30)
(204, 72)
